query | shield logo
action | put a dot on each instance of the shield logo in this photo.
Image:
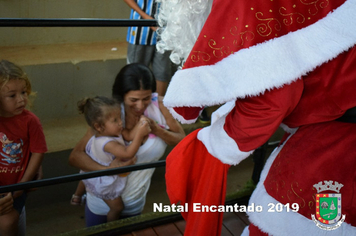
(328, 208)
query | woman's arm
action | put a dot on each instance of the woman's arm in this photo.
(78, 158)
(175, 133)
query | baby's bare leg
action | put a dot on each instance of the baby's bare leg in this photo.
(116, 206)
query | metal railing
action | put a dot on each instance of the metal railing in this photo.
(258, 156)
(73, 22)
(77, 177)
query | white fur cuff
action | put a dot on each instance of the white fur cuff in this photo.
(216, 140)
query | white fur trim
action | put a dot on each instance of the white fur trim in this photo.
(267, 65)
(216, 140)
(288, 129)
(246, 232)
(180, 118)
(286, 223)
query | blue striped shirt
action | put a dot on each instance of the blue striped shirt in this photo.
(142, 35)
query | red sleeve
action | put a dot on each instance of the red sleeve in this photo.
(36, 136)
(255, 119)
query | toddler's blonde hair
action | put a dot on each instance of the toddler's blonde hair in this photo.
(9, 71)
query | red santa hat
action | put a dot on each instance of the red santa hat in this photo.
(248, 47)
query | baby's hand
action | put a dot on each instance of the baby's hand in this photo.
(144, 127)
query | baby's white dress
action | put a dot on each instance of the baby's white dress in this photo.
(104, 187)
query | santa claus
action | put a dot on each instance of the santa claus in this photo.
(271, 63)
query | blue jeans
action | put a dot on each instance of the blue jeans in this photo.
(19, 202)
(92, 219)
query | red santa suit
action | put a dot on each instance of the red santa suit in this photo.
(273, 63)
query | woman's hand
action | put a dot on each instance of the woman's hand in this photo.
(154, 126)
(170, 136)
(117, 163)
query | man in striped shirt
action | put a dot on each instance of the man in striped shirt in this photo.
(142, 43)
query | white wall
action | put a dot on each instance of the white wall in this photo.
(107, 9)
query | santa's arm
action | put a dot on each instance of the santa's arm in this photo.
(196, 170)
(245, 124)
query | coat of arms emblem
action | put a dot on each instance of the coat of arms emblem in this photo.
(328, 206)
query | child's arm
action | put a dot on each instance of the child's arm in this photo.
(31, 170)
(129, 135)
(38, 176)
(122, 151)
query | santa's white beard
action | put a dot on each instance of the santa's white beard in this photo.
(180, 22)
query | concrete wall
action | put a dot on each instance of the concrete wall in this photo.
(108, 9)
(60, 86)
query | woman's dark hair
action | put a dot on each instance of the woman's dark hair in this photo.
(135, 76)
